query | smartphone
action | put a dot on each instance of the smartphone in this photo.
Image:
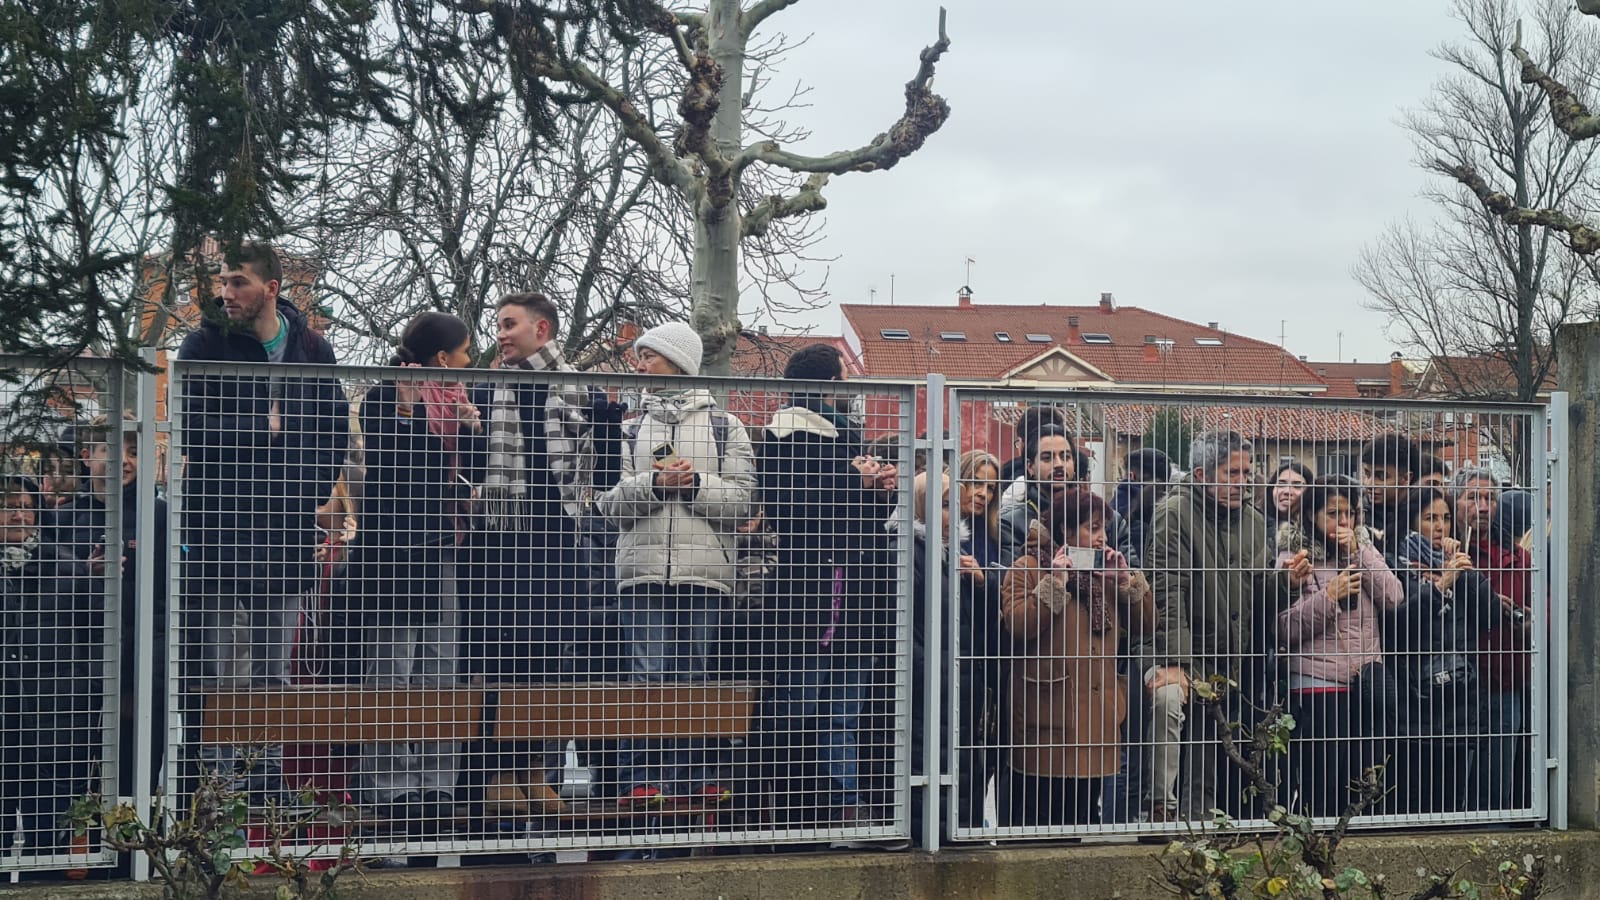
(1086, 557)
(663, 454)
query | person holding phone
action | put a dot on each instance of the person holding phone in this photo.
(1434, 639)
(685, 489)
(424, 444)
(1067, 699)
(1340, 694)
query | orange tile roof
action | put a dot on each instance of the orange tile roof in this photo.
(1235, 361)
(764, 355)
(1342, 377)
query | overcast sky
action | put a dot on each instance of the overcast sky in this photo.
(1214, 161)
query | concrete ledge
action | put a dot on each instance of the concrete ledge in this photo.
(1094, 871)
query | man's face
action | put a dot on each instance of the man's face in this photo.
(1431, 480)
(1475, 506)
(59, 479)
(1230, 484)
(1384, 484)
(97, 459)
(1053, 461)
(520, 333)
(245, 296)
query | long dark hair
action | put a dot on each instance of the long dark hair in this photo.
(1319, 493)
(426, 336)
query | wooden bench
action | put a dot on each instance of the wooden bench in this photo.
(339, 714)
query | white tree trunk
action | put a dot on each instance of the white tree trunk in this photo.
(714, 301)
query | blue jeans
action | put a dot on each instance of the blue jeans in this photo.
(1124, 799)
(817, 707)
(668, 633)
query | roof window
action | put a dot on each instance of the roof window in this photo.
(1096, 338)
(1003, 337)
(1035, 337)
(1208, 342)
(952, 335)
(894, 334)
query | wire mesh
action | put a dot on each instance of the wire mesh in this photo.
(1140, 579)
(529, 611)
(66, 547)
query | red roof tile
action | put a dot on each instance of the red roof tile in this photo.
(1178, 359)
(1342, 378)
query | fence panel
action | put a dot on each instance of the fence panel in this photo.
(65, 596)
(1115, 616)
(537, 611)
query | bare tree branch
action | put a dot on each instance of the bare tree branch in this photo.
(1566, 110)
(925, 113)
(1583, 239)
(808, 200)
(752, 18)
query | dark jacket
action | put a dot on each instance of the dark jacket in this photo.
(413, 499)
(82, 527)
(250, 496)
(52, 634)
(826, 518)
(1433, 640)
(1218, 589)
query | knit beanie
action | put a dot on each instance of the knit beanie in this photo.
(675, 341)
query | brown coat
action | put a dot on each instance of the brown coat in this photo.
(1067, 700)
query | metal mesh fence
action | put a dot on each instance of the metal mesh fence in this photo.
(66, 576)
(1135, 578)
(534, 611)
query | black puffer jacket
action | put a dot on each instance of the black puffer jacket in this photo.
(250, 496)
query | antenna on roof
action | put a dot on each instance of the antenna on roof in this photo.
(891, 288)
(872, 295)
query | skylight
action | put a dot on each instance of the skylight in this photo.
(1209, 342)
(1035, 337)
(1003, 337)
(894, 334)
(952, 335)
(1096, 338)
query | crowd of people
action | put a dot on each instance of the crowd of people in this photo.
(527, 531)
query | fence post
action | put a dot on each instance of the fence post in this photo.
(933, 647)
(143, 644)
(1578, 350)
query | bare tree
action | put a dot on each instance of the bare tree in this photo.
(702, 153)
(463, 204)
(1482, 295)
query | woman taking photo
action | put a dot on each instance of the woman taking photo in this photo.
(1339, 691)
(1067, 700)
(423, 442)
(1434, 639)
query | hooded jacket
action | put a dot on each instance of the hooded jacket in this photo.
(250, 496)
(1326, 639)
(689, 537)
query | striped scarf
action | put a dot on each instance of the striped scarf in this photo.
(506, 501)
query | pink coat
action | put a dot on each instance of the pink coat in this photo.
(1320, 638)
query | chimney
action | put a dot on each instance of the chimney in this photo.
(1108, 302)
(1074, 335)
(626, 333)
(1397, 374)
(1302, 359)
(964, 297)
(1211, 325)
(1152, 351)
(762, 331)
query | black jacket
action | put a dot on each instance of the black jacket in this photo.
(250, 496)
(52, 633)
(826, 519)
(1433, 640)
(410, 499)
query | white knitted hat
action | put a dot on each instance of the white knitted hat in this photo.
(675, 341)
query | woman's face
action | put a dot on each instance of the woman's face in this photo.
(459, 358)
(978, 492)
(17, 517)
(1286, 491)
(1089, 534)
(1335, 515)
(1434, 521)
